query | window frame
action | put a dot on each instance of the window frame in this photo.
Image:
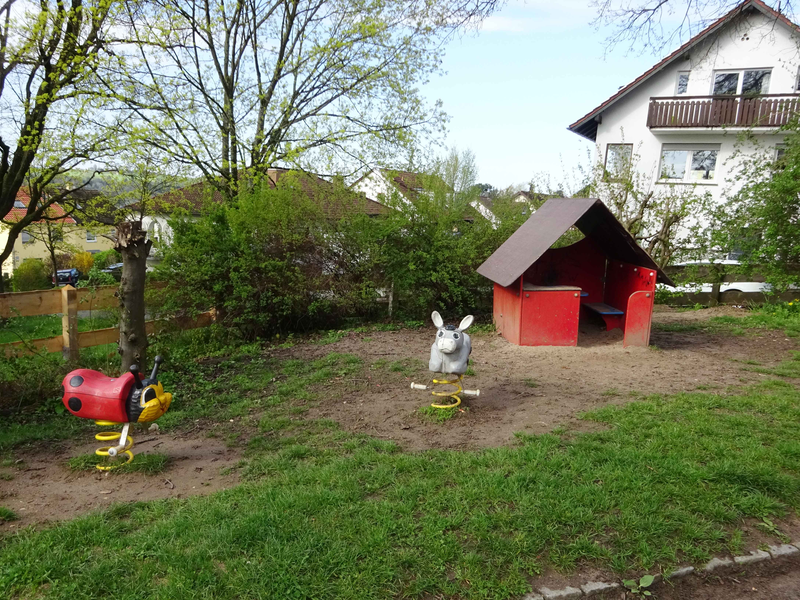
(690, 149)
(678, 82)
(23, 235)
(92, 239)
(607, 175)
(740, 79)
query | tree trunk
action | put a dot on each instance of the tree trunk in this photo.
(132, 243)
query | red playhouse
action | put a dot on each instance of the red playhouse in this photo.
(540, 292)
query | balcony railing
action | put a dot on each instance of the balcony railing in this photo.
(768, 110)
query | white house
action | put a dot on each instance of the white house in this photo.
(683, 117)
(379, 185)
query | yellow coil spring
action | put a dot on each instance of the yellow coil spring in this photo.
(454, 394)
(112, 436)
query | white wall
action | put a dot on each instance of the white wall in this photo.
(751, 41)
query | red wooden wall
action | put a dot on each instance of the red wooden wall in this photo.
(508, 311)
(582, 264)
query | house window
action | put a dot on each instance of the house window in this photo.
(90, 237)
(752, 82)
(618, 160)
(780, 161)
(682, 85)
(688, 164)
(19, 204)
(26, 237)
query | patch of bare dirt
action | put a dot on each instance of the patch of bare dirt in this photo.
(536, 389)
(45, 489)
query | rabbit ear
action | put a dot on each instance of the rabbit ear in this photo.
(466, 322)
(437, 319)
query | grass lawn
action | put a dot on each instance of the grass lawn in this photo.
(45, 326)
(323, 513)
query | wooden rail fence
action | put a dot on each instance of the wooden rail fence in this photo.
(68, 301)
(767, 110)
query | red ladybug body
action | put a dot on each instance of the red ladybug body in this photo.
(91, 395)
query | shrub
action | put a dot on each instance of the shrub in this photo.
(32, 274)
(95, 277)
(27, 381)
(83, 261)
(103, 260)
(275, 259)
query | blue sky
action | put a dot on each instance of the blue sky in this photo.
(512, 89)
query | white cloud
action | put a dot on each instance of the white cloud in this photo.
(519, 16)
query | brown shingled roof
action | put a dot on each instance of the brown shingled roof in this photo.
(586, 126)
(527, 244)
(193, 197)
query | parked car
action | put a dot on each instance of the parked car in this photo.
(67, 277)
(115, 270)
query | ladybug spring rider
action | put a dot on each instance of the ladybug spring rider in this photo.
(130, 398)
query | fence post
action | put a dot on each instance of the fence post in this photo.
(69, 323)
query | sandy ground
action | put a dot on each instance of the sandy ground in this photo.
(45, 489)
(522, 389)
(535, 389)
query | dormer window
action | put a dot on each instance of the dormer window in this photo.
(19, 204)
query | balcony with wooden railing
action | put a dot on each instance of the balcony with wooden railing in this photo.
(767, 110)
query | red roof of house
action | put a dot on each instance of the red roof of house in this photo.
(54, 210)
(586, 126)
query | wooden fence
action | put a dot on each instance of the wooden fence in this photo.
(68, 301)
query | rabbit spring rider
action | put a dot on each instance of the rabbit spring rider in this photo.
(449, 356)
(130, 398)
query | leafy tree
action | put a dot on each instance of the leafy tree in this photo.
(50, 53)
(236, 87)
(52, 231)
(760, 223)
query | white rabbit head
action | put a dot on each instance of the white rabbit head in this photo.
(449, 338)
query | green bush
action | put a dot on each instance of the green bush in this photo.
(106, 258)
(275, 259)
(95, 278)
(27, 381)
(32, 274)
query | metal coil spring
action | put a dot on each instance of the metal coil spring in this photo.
(114, 451)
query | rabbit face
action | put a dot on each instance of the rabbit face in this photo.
(449, 338)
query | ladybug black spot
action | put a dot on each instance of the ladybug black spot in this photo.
(74, 404)
(76, 381)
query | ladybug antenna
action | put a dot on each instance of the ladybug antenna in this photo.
(157, 363)
(136, 380)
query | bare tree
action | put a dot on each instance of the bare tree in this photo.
(654, 25)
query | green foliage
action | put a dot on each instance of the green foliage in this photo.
(106, 258)
(32, 274)
(432, 245)
(96, 278)
(439, 415)
(759, 223)
(6, 514)
(297, 256)
(640, 586)
(27, 381)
